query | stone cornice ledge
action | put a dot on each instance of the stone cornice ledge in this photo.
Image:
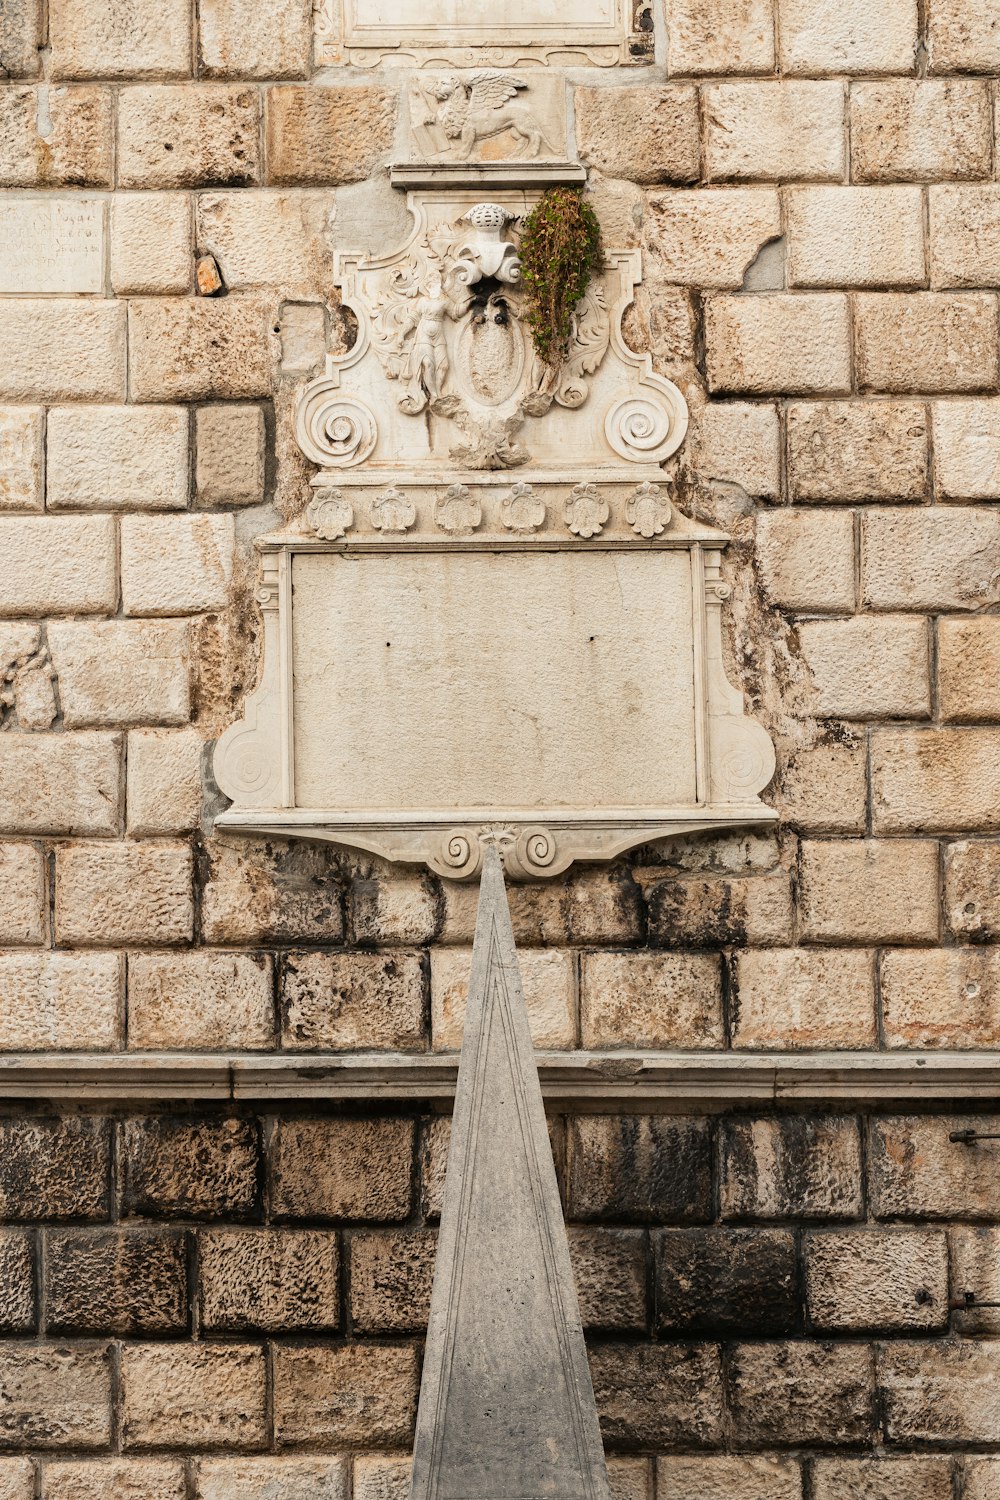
(637, 1081)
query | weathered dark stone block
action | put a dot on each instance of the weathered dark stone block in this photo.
(391, 1276)
(198, 1169)
(54, 1169)
(122, 1281)
(342, 1169)
(609, 1267)
(275, 1280)
(726, 1281)
(798, 1167)
(17, 1282)
(638, 1167)
(799, 1394)
(658, 1395)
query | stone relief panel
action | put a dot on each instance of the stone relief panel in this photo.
(488, 115)
(373, 33)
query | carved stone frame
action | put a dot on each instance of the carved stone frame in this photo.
(255, 758)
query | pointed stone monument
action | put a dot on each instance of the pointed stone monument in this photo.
(506, 1403)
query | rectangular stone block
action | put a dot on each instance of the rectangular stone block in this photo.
(909, 130)
(738, 441)
(549, 981)
(18, 1310)
(802, 1393)
(230, 447)
(201, 1001)
(967, 447)
(609, 1268)
(58, 565)
(152, 244)
(964, 231)
(19, 47)
(936, 780)
(658, 1395)
(393, 908)
(824, 787)
(345, 1394)
(708, 237)
(122, 1478)
(807, 559)
(74, 151)
(940, 558)
(857, 450)
(969, 669)
(962, 38)
(720, 37)
(117, 457)
(856, 37)
(24, 913)
(391, 1276)
(941, 997)
(121, 1281)
(51, 245)
(258, 894)
(594, 907)
(272, 238)
(54, 1169)
(72, 350)
(381, 1476)
(176, 136)
(117, 672)
(926, 341)
(104, 41)
(704, 913)
(345, 1001)
(802, 997)
(193, 1396)
(725, 1282)
(110, 894)
(645, 134)
(53, 1397)
(272, 1479)
(21, 458)
(17, 1477)
(60, 783)
(241, 40)
(975, 1269)
(55, 1002)
(319, 136)
(176, 565)
(869, 891)
(638, 1167)
(342, 1169)
(778, 343)
(191, 1168)
(855, 236)
(972, 890)
(924, 1478)
(651, 1000)
(868, 667)
(719, 1478)
(164, 781)
(775, 131)
(875, 1280)
(791, 1168)
(941, 1391)
(219, 347)
(271, 1280)
(917, 1172)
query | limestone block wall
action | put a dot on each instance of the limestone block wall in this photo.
(223, 1301)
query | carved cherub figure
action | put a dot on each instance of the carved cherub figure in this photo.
(464, 112)
(422, 344)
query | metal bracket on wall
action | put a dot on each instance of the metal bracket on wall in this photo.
(969, 1302)
(973, 1137)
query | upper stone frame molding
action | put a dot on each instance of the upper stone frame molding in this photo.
(547, 33)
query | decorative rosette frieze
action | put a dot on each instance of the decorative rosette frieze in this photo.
(522, 511)
(648, 511)
(458, 511)
(392, 513)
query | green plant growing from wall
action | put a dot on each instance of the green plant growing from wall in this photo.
(560, 253)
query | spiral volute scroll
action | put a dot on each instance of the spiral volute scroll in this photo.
(334, 430)
(534, 850)
(460, 855)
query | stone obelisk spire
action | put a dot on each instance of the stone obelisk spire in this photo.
(506, 1403)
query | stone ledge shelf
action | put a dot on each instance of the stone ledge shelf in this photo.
(591, 1081)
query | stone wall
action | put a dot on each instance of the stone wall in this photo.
(815, 189)
(234, 1305)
